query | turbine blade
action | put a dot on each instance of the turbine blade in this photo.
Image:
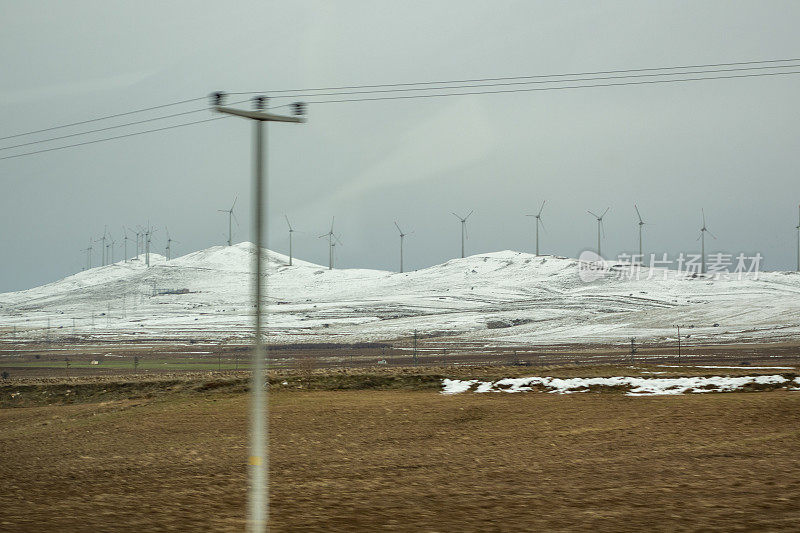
(234, 202)
(541, 208)
(638, 214)
(398, 227)
(235, 219)
(712, 235)
(603, 228)
(287, 222)
(704, 216)
(604, 212)
(458, 217)
(466, 217)
(332, 219)
(594, 215)
(539, 221)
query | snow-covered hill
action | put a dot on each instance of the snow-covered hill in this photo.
(498, 298)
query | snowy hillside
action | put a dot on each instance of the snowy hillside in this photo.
(498, 298)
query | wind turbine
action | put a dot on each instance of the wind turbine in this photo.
(110, 257)
(88, 251)
(139, 232)
(148, 233)
(600, 227)
(230, 216)
(641, 223)
(125, 239)
(103, 238)
(330, 237)
(170, 240)
(291, 230)
(463, 230)
(702, 238)
(401, 244)
(798, 238)
(538, 221)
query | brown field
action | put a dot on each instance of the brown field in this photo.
(405, 460)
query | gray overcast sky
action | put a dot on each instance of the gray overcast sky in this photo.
(729, 146)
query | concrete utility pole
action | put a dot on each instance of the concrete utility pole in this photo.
(258, 504)
(679, 343)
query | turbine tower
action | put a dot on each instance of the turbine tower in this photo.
(333, 248)
(702, 239)
(291, 230)
(103, 238)
(148, 233)
(170, 240)
(139, 233)
(111, 245)
(538, 221)
(125, 240)
(463, 230)
(401, 244)
(798, 238)
(88, 251)
(230, 216)
(641, 223)
(330, 237)
(600, 227)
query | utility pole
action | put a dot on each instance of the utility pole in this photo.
(679, 343)
(258, 501)
(415, 347)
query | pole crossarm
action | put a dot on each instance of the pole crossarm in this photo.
(258, 115)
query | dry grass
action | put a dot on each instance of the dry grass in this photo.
(408, 460)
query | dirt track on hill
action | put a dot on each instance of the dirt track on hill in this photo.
(408, 460)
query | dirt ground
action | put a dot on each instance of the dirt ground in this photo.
(408, 460)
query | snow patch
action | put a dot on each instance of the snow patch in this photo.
(636, 386)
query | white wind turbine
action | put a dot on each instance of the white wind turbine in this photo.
(103, 248)
(88, 251)
(230, 217)
(110, 245)
(291, 230)
(463, 230)
(402, 235)
(148, 233)
(641, 223)
(331, 243)
(538, 221)
(139, 232)
(125, 240)
(600, 227)
(702, 239)
(798, 238)
(170, 240)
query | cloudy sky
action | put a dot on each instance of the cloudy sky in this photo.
(729, 146)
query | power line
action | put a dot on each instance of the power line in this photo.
(113, 138)
(563, 87)
(111, 127)
(479, 80)
(106, 117)
(414, 89)
(417, 96)
(500, 84)
(408, 84)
